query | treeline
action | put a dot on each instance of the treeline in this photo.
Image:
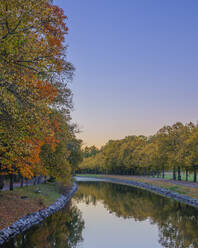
(171, 148)
(36, 134)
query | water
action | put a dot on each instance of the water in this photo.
(106, 215)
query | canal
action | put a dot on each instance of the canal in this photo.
(107, 215)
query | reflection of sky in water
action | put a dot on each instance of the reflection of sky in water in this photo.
(105, 230)
(176, 224)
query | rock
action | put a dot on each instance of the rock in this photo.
(38, 191)
(24, 197)
(161, 191)
(30, 220)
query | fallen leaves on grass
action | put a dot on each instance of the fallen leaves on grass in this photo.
(12, 207)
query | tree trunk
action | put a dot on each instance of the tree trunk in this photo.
(162, 171)
(1, 182)
(186, 175)
(23, 241)
(179, 173)
(195, 174)
(34, 180)
(17, 178)
(22, 180)
(11, 183)
(174, 173)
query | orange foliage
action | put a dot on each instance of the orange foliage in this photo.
(46, 90)
(30, 54)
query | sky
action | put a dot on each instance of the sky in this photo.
(136, 65)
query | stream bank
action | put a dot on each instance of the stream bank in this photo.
(26, 222)
(155, 189)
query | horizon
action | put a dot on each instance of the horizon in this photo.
(136, 66)
(121, 138)
(99, 127)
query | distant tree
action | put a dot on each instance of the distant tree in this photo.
(90, 151)
(172, 147)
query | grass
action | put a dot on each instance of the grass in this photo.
(13, 205)
(182, 189)
(183, 176)
(89, 175)
(49, 192)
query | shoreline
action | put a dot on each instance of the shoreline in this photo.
(28, 221)
(193, 202)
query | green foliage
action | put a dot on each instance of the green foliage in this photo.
(61, 159)
(35, 100)
(75, 153)
(90, 151)
(171, 147)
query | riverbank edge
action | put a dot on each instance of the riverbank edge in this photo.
(26, 222)
(155, 189)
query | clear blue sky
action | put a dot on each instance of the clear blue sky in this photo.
(136, 65)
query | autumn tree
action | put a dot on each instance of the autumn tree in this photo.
(61, 155)
(191, 152)
(171, 148)
(34, 73)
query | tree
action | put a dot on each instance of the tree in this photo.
(90, 151)
(62, 154)
(172, 147)
(33, 80)
(191, 158)
(75, 153)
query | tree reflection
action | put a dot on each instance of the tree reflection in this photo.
(177, 223)
(61, 230)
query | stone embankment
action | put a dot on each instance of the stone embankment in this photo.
(30, 220)
(158, 190)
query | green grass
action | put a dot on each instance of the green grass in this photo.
(88, 175)
(176, 189)
(49, 192)
(183, 176)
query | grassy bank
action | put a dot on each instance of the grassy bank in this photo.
(169, 176)
(26, 200)
(182, 189)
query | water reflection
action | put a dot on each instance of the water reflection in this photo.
(177, 223)
(61, 230)
(105, 215)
